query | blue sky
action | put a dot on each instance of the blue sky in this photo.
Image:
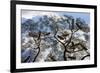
(30, 14)
(84, 16)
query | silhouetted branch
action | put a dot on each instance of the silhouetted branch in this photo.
(58, 40)
(56, 37)
(37, 54)
(85, 57)
(27, 59)
(52, 58)
(37, 42)
(69, 41)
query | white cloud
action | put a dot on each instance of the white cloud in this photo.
(29, 14)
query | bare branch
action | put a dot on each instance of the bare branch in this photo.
(85, 57)
(58, 40)
(37, 54)
(27, 59)
(37, 42)
(68, 42)
(56, 37)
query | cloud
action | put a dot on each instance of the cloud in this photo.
(29, 14)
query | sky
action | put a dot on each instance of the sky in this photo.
(28, 14)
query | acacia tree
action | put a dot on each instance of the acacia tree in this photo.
(65, 38)
(68, 43)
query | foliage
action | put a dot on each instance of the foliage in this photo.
(54, 38)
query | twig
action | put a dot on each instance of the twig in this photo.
(85, 57)
(27, 59)
(37, 54)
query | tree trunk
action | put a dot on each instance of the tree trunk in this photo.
(64, 56)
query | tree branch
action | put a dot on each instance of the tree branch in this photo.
(85, 57)
(38, 41)
(27, 59)
(56, 37)
(37, 54)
